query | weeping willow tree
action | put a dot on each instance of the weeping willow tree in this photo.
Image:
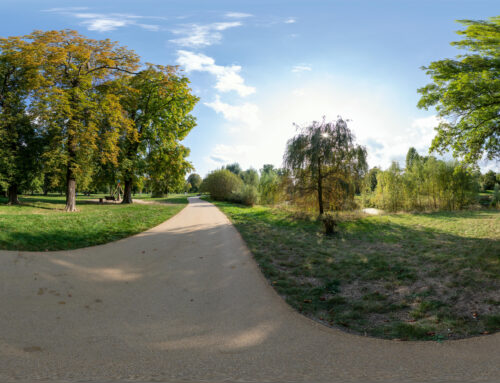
(324, 163)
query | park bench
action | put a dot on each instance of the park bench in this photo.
(107, 198)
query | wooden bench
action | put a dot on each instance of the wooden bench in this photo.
(110, 198)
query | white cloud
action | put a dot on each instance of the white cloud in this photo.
(149, 27)
(66, 9)
(425, 125)
(105, 22)
(228, 77)
(225, 154)
(239, 116)
(237, 15)
(290, 20)
(301, 68)
(196, 35)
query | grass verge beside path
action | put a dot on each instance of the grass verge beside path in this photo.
(40, 223)
(429, 276)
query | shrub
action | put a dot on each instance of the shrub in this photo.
(246, 195)
(221, 184)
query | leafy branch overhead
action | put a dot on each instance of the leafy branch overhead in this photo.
(466, 94)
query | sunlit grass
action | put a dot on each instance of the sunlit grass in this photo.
(40, 223)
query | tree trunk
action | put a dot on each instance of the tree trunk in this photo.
(127, 192)
(70, 191)
(12, 192)
(320, 192)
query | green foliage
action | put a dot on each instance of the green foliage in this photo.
(325, 165)
(496, 196)
(426, 184)
(466, 94)
(78, 107)
(412, 157)
(167, 167)
(221, 184)
(489, 180)
(194, 180)
(250, 177)
(75, 115)
(234, 168)
(246, 195)
(371, 178)
(270, 186)
(158, 101)
(20, 141)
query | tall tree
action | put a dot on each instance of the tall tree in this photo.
(489, 180)
(412, 157)
(158, 103)
(466, 94)
(71, 108)
(234, 168)
(167, 167)
(324, 159)
(20, 142)
(195, 181)
(250, 177)
(270, 185)
(371, 179)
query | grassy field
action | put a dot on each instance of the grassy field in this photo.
(428, 276)
(40, 223)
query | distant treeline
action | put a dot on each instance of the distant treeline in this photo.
(426, 183)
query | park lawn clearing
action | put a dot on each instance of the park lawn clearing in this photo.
(40, 223)
(432, 276)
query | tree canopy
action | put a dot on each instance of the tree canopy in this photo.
(20, 142)
(158, 104)
(466, 94)
(324, 161)
(77, 113)
(425, 184)
(194, 180)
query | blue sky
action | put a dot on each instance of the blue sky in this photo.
(260, 66)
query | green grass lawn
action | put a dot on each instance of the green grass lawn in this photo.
(427, 276)
(40, 223)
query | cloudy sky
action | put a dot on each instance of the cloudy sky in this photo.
(260, 66)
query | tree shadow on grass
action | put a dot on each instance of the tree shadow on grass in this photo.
(370, 254)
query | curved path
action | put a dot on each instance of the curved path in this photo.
(184, 301)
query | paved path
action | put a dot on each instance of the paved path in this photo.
(185, 302)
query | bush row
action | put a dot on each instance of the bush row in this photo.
(223, 185)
